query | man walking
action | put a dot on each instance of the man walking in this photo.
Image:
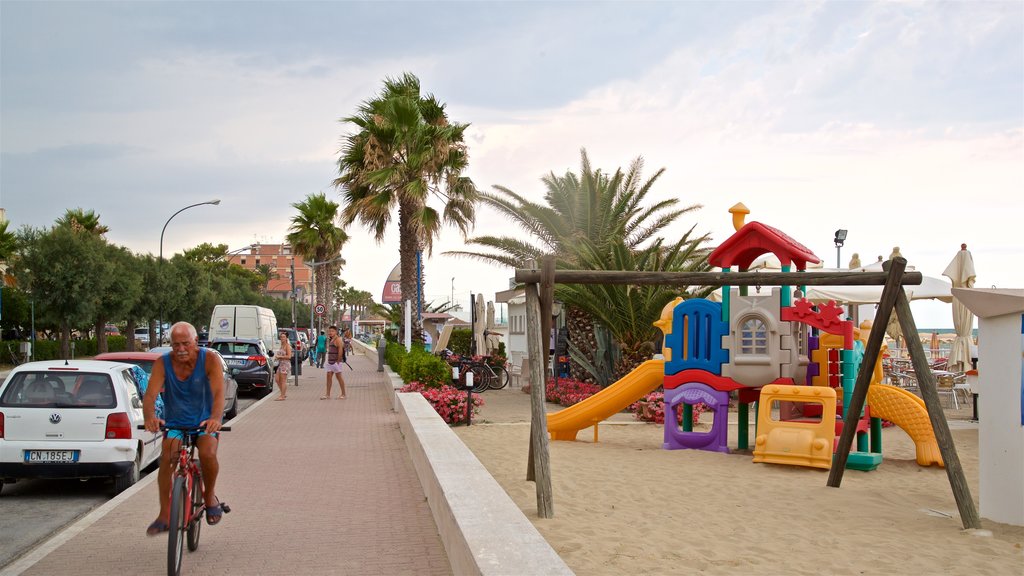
(335, 360)
(321, 349)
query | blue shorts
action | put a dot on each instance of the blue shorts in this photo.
(180, 435)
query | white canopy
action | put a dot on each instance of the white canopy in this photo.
(961, 272)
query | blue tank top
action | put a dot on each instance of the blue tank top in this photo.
(187, 402)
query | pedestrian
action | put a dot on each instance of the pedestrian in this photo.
(284, 364)
(335, 360)
(321, 349)
(192, 382)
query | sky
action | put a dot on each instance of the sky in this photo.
(902, 123)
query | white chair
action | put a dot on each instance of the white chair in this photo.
(520, 372)
(960, 384)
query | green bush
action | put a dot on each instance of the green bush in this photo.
(461, 341)
(425, 368)
(393, 356)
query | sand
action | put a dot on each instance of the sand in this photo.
(626, 506)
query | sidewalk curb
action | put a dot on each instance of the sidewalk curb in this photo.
(482, 529)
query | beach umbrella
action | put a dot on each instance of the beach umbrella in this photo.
(961, 272)
(479, 325)
(492, 336)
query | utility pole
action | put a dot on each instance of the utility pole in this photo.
(298, 365)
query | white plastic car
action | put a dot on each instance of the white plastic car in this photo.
(74, 419)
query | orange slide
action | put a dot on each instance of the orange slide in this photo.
(644, 379)
(909, 413)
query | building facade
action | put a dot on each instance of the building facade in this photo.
(280, 259)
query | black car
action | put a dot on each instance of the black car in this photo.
(249, 362)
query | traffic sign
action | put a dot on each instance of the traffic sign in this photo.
(320, 309)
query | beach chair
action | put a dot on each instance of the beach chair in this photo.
(520, 372)
(944, 384)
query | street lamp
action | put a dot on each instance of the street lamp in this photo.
(312, 301)
(840, 238)
(161, 260)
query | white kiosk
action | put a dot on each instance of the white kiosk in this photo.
(1001, 395)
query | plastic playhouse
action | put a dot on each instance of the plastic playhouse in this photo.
(774, 350)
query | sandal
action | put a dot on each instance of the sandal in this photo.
(215, 513)
(325, 397)
(157, 527)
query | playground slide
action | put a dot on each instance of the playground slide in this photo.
(909, 413)
(565, 424)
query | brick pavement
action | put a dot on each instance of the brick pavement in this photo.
(315, 487)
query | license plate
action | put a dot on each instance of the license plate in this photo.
(235, 362)
(51, 456)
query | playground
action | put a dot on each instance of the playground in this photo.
(626, 505)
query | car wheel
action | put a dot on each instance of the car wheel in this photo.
(128, 479)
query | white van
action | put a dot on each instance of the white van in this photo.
(241, 321)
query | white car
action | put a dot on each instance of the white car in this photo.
(74, 419)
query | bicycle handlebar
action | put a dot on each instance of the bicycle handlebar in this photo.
(190, 429)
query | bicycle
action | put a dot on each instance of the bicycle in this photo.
(485, 376)
(187, 504)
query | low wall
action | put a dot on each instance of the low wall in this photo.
(482, 529)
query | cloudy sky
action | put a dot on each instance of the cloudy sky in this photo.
(901, 122)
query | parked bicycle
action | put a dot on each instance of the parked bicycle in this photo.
(485, 376)
(187, 503)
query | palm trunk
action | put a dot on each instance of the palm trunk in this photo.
(581, 332)
(408, 245)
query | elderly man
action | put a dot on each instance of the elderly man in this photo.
(192, 381)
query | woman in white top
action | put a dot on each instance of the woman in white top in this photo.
(284, 364)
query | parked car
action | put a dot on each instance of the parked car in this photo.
(145, 361)
(111, 330)
(204, 338)
(49, 416)
(249, 361)
(142, 336)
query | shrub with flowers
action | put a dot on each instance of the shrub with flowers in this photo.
(651, 408)
(449, 402)
(567, 392)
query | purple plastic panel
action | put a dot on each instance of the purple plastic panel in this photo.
(717, 439)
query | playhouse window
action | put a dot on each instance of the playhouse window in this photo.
(754, 337)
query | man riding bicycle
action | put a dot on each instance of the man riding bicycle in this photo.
(192, 380)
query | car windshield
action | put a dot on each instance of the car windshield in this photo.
(59, 390)
(236, 348)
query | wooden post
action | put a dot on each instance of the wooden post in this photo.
(892, 289)
(926, 383)
(547, 297)
(538, 419)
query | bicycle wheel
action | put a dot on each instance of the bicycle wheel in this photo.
(481, 377)
(500, 378)
(195, 523)
(176, 534)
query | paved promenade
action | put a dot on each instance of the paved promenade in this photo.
(315, 487)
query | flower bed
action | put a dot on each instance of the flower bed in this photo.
(651, 408)
(448, 401)
(567, 392)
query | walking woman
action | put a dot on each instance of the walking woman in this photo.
(284, 364)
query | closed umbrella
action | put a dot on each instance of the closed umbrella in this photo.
(961, 272)
(479, 325)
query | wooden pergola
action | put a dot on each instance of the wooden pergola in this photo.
(540, 284)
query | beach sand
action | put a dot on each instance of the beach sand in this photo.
(626, 506)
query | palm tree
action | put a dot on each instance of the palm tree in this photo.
(266, 273)
(81, 220)
(404, 152)
(8, 242)
(598, 221)
(315, 236)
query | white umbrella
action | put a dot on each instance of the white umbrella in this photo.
(961, 272)
(479, 325)
(492, 338)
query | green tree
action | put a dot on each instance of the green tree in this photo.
(266, 272)
(599, 221)
(8, 243)
(121, 294)
(403, 152)
(65, 271)
(315, 236)
(81, 220)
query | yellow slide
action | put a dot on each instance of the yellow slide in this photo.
(644, 379)
(909, 413)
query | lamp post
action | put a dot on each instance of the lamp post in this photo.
(840, 238)
(312, 301)
(161, 260)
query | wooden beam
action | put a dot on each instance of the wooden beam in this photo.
(538, 418)
(852, 412)
(547, 298)
(532, 275)
(929, 392)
